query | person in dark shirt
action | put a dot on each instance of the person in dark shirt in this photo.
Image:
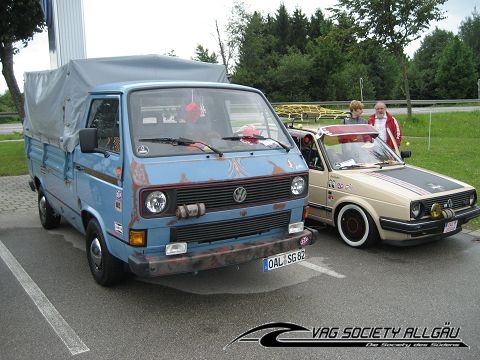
(354, 116)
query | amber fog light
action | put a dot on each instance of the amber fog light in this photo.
(436, 211)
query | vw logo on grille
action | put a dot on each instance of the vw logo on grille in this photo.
(240, 194)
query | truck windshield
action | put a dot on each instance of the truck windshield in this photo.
(216, 120)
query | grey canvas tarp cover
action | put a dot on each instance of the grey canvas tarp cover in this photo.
(55, 100)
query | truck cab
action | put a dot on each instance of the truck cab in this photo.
(174, 176)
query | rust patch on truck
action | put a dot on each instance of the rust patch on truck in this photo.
(280, 206)
(277, 170)
(184, 179)
(139, 178)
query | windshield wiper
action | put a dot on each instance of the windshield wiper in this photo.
(386, 162)
(256, 137)
(182, 142)
(350, 166)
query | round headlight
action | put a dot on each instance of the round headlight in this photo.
(473, 198)
(299, 185)
(156, 202)
(416, 209)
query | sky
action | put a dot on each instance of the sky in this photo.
(125, 27)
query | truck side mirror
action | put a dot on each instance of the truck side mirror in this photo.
(89, 141)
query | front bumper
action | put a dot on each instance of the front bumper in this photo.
(150, 266)
(429, 227)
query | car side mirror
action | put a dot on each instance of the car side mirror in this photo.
(405, 154)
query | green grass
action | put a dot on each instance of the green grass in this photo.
(13, 156)
(447, 143)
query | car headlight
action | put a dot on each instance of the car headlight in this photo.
(473, 198)
(156, 202)
(416, 209)
(299, 185)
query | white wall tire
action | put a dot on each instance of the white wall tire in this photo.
(356, 227)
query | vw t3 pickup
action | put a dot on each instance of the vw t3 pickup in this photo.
(164, 166)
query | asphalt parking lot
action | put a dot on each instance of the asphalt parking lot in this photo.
(51, 308)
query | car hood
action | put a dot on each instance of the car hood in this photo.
(406, 181)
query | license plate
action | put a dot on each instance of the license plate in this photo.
(284, 259)
(450, 226)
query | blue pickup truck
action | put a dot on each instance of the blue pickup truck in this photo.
(165, 166)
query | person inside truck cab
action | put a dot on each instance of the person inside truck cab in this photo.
(198, 126)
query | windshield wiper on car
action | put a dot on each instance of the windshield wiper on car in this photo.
(386, 162)
(256, 137)
(350, 166)
(182, 142)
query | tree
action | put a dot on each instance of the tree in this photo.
(282, 29)
(456, 73)
(256, 55)
(318, 25)
(202, 54)
(394, 24)
(235, 31)
(425, 63)
(298, 30)
(290, 77)
(20, 20)
(469, 32)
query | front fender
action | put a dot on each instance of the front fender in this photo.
(363, 203)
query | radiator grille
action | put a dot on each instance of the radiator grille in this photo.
(458, 201)
(235, 228)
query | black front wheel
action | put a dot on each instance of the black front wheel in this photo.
(106, 269)
(356, 227)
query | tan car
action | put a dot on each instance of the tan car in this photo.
(364, 189)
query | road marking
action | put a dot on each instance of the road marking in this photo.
(321, 269)
(71, 340)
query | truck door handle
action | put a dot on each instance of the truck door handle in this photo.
(79, 168)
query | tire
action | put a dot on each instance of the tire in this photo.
(356, 227)
(106, 269)
(48, 218)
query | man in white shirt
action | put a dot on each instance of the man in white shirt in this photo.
(383, 120)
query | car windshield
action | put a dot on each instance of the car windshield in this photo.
(179, 121)
(358, 150)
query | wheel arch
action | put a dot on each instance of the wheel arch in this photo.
(365, 205)
(89, 214)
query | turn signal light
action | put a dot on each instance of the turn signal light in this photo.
(137, 238)
(306, 211)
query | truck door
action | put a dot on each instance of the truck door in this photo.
(99, 176)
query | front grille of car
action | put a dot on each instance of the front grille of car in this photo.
(458, 201)
(220, 195)
(228, 229)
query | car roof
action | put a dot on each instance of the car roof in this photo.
(340, 129)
